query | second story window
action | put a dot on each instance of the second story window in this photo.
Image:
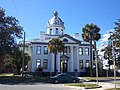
(87, 51)
(56, 30)
(80, 51)
(65, 50)
(45, 50)
(38, 50)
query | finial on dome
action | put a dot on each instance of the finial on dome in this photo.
(55, 13)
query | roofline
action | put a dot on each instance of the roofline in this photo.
(77, 41)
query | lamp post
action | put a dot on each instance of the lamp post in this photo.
(96, 62)
(96, 56)
(23, 54)
(113, 57)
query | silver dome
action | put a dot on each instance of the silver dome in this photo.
(55, 21)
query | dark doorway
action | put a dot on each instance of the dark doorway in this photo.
(64, 67)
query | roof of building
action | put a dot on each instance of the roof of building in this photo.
(77, 41)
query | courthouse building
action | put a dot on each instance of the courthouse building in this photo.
(76, 56)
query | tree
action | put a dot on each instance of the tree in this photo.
(115, 39)
(9, 31)
(116, 34)
(107, 55)
(55, 45)
(14, 61)
(18, 57)
(91, 33)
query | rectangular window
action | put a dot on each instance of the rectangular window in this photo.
(45, 64)
(65, 50)
(87, 64)
(45, 50)
(38, 62)
(81, 64)
(87, 51)
(80, 51)
(38, 50)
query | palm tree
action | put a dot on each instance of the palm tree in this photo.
(91, 33)
(116, 34)
(55, 45)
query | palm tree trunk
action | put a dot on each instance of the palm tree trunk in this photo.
(55, 63)
(91, 74)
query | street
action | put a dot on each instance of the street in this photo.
(39, 86)
(13, 84)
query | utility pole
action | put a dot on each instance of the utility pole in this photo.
(113, 57)
(96, 62)
(23, 54)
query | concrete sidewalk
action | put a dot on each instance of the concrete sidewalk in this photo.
(103, 84)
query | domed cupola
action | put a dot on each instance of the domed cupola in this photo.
(55, 25)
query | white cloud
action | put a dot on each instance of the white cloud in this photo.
(105, 38)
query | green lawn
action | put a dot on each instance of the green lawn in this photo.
(82, 85)
(5, 74)
(100, 78)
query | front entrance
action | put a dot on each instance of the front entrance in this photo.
(63, 66)
(64, 63)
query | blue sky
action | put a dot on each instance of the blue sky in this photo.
(33, 15)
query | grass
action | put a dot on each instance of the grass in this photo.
(118, 83)
(6, 74)
(82, 85)
(100, 78)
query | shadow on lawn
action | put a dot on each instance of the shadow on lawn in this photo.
(18, 80)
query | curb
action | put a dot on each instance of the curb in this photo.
(93, 87)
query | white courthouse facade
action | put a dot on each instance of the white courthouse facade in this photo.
(76, 54)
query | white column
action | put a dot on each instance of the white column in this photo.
(33, 65)
(71, 59)
(58, 62)
(52, 62)
(77, 58)
(33, 59)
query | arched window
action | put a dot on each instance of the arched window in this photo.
(56, 30)
(65, 40)
(62, 31)
(50, 31)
